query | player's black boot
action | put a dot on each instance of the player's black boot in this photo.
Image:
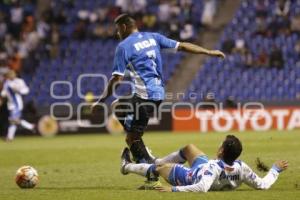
(140, 152)
(125, 159)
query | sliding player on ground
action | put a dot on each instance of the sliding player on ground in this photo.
(223, 173)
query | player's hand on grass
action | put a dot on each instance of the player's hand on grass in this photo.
(217, 53)
(163, 188)
(282, 165)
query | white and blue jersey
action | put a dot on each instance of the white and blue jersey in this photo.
(205, 175)
(140, 54)
(13, 91)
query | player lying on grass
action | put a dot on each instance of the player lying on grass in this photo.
(223, 173)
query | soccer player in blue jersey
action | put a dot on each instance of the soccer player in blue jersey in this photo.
(139, 53)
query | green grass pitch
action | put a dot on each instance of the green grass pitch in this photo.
(87, 166)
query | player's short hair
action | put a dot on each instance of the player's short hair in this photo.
(232, 149)
(125, 19)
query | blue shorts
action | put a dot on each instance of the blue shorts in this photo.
(15, 114)
(181, 175)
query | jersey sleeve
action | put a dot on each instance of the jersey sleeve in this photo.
(254, 181)
(165, 43)
(120, 62)
(207, 177)
(20, 86)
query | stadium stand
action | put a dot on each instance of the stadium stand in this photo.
(262, 46)
(77, 37)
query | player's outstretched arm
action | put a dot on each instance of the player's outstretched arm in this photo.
(193, 48)
(253, 180)
(112, 85)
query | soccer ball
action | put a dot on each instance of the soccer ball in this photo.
(26, 177)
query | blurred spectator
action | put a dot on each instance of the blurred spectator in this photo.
(123, 4)
(208, 12)
(138, 6)
(29, 39)
(240, 46)
(295, 24)
(164, 12)
(186, 11)
(132, 6)
(228, 45)
(59, 17)
(279, 25)
(80, 30)
(3, 66)
(247, 58)
(101, 14)
(29, 7)
(185, 3)
(28, 26)
(149, 21)
(110, 31)
(10, 44)
(43, 27)
(112, 13)
(261, 8)
(15, 63)
(99, 31)
(261, 25)
(174, 27)
(55, 38)
(103, 31)
(276, 58)
(262, 59)
(3, 25)
(16, 18)
(84, 15)
(187, 33)
(282, 8)
(297, 49)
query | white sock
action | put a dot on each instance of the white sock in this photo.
(174, 157)
(140, 169)
(11, 132)
(26, 125)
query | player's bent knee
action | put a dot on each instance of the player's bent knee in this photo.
(191, 152)
(190, 147)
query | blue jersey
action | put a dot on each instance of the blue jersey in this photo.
(140, 54)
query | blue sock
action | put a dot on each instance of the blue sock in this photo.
(152, 174)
